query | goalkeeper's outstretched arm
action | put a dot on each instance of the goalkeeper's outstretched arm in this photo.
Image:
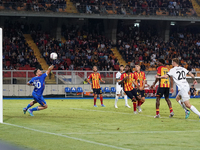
(49, 69)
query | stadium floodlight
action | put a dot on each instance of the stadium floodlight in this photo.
(1, 78)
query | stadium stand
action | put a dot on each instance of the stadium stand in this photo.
(146, 47)
(125, 7)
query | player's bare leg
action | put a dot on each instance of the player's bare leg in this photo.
(116, 99)
(126, 100)
(192, 108)
(101, 99)
(187, 112)
(170, 107)
(157, 107)
(140, 102)
(29, 105)
(95, 100)
(138, 98)
(42, 107)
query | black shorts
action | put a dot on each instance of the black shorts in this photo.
(141, 92)
(97, 91)
(132, 94)
(162, 91)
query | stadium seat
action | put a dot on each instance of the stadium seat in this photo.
(79, 90)
(67, 90)
(107, 90)
(73, 90)
(102, 90)
(113, 89)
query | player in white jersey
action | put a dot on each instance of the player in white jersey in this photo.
(119, 89)
(179, 76)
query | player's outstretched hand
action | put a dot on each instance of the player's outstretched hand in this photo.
(104, 81)
(151, 87)
(172, 90)
(156, 76)
(195, 82)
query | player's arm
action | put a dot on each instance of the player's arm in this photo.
(162, 77)
(49, 69)
(193, 77)
(122, 79)
(102, 81)
(135, 84)
(154, 83)
(30, 84)
(171, 85)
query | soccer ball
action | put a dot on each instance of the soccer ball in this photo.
(53, 56)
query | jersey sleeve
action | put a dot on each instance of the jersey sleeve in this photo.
(99, 76)
(144, 77)
(31, 81)
(118, 75)
(159, 71)
(171, 72)
(90, 76)
(122, 77)
(186, 71)
(44, 75)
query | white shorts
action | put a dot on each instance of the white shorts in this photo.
(184, 93)
(119, 89)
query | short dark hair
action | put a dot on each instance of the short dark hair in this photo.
(130, 68)
(35, 71)
(176, 60)
(121, 65)
(161, 61)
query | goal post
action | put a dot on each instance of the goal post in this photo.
(1, 77)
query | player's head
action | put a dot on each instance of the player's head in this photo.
(192, 86)
(121, 68)
(161, 62)
(137, 67)
(128, 69)
(175, 62)
(94, 68)
(37, 72)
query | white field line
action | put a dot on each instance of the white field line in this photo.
(131, 132)
(69, 137)
(114, 112)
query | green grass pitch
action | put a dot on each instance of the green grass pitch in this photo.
(76, 124)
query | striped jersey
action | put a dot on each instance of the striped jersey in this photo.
(164, 83)
(95, 77)
(139, 78)
(128, 84)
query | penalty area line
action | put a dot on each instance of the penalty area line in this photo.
(114, 112)
(69, 137)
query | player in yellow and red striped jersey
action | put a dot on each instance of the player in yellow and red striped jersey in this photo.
(127, 81)
(163, 88)
(95, 77)
(140, 81)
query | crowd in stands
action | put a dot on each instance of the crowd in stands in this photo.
(33, 5)
(146, 47)
(82, 49)
(124, 7)
(136, 7)
(16, 52)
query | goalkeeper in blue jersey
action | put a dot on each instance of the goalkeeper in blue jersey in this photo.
(39, 84)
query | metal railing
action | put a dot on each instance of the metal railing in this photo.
(98, 9)
(62, 76)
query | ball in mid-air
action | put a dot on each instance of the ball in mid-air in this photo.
(54, 56)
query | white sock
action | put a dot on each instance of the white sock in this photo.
(116, 99)
(192, 108)
(126, 100)
(182, 105)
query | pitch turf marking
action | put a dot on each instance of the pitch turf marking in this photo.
(130, 114)
(132, 132)
(69, 137)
